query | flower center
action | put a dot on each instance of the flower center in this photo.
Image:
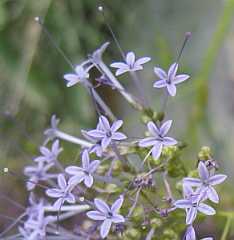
(109, 215)
(109, 134)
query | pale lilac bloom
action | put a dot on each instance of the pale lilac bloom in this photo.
(158, 138)
(106, 133)
(37, 173)
(63, 193)
(96, 57)
(130, 64)
(84, 173)
(80, 75)
(49, 155)
(107, 214)
(206, 182)
(192, 206)
(169, 79)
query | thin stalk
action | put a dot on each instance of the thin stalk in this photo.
(226, 228)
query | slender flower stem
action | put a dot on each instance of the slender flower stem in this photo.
(135, 203)
(226, 228)
(121, 89)
(167, 187)
(75, 208)
(72, 139)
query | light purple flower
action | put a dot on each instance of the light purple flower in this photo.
(49, 155)
(158, 138)
(192, 207)
(169, 79)
(107, 214)
(63, 193)
(50, 133)
(206, 182)
(80, 75)
(37, 173)
(106, 133)
(130, 64)
(84, 173)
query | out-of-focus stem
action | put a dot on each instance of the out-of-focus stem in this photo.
(74, 208)
(226, 228)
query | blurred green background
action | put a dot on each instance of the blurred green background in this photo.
(32, 86)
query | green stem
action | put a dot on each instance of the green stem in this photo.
(226, 228)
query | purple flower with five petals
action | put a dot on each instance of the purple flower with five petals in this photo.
(158, 138)
(84, 173)
(48, 155)
(192, 206)
(130, 64)
(80, 75)
(206, 182)
(169, 79)
(63, 193)
(106, 133)
(107, 214)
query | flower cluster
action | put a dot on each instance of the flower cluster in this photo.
(112, 169)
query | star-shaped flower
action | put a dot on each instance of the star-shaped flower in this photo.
(206, 182)
(169, 79)
(106, 133)
(84, 173)
(107, 214)
(63, 193)
(49, 155)
(80, 75)
(37, 173)
(130, 64)
(158, 138)
(192, 206)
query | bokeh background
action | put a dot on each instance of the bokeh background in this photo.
(32, 86)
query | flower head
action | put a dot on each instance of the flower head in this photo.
(192, 206)
(107, 214)
(84, 173)
(106, 133)
(206, 182)
(80, 75)
(130, 64)
(37, 173)
(169, 79)
(49, 155)
(63, 192)
(158, 138)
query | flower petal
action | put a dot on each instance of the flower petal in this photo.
(142, 60)
(88, 181)
(183, 203)
(98, 134)
(180, 78)
(207, 210)
(101, 205)
(54, 193)
(120, 65)
(194, 182)
(117, 205)
(116, 125)
(212, 195)
(146, 142)
(168, 141)
(160, 73)
(117, 218)
(130, 59)
(105, 125)
(76, 179)
(217, 179)
(190, 234)
(85, 159)
(58, 203)
(62, 181)
(203, 171)
(73, 170)
(95, 215)
(172, 71)
(157, 150)
(121, 71)
(153, 129)
(93, 166)
(191, 215)
(171, 88)
(164, 129)
(106, 142)
(160, 84)
(105, 228)
(118, 136)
